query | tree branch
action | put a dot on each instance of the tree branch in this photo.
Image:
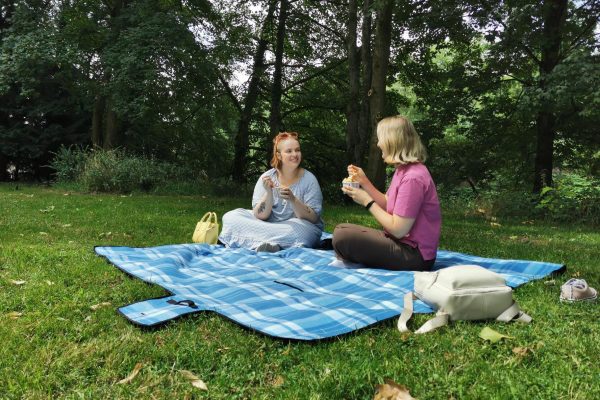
(315, 74)
(230, 94)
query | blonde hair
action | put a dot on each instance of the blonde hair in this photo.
(275, 161)
(400, 141)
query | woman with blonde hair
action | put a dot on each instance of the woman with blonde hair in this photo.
(286, 205)
(409, 211)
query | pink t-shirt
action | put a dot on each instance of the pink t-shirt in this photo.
(412, 194)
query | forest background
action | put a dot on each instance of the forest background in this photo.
(185, 96)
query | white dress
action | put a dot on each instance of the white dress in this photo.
(242, 229)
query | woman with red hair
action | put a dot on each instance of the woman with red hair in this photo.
(286, 205)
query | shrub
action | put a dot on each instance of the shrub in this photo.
(574, 197)
(116, 171)
(68, 163)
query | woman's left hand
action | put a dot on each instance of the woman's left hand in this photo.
(286, 194)
(358, 195)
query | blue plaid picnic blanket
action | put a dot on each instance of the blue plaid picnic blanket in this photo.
(293, 294)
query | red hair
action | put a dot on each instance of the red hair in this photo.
(276, 162)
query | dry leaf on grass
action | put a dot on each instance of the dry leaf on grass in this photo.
(14, 315)
(495, 224)
(194, 380)
(132, 375)
(390, 390)
(522, 351)
(18, 283)
(100, 305)
(277, 381)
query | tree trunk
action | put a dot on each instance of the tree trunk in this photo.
(242, 143)
(554, 15)
(364, 120)
(276, 91)
(97, 119)
(352, 108)
(111, 137)
(3, 168)
(381, 54)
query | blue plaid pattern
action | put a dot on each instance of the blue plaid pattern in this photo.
(292, 294)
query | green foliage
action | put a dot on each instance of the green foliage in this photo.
(574, 197)
(68, 163)
(118, 172)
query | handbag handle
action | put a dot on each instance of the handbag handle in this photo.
(209, 217)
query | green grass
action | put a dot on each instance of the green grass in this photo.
(60, 348)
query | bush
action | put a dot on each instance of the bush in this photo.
(574, 197)
(116, 171)
(68, 163)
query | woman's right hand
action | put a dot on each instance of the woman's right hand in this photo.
(268, 183)
(358, 174)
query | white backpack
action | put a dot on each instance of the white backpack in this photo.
(462, 292)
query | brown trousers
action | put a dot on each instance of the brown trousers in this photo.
(374, 248)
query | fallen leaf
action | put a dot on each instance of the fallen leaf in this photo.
(522, 351)
(133, 374)
(481, 211)
(88, 318)
(278, 381)
(551, 282)
(66, 225)
(49, 283)
(492, 335)
(99, 305)
(390, 390)
(495, 224)
(48, 209)
(14, 315)
(44, 233)
(194, 380)
(18, 283)
(513, 237)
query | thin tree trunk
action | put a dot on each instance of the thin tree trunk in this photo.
(364, 120)
(110, 140)
(111, 135)
(276, 91)
(554, 14)
(3, 168)
(242, 143)
(352, 108)
(97, 119)
(381, 54)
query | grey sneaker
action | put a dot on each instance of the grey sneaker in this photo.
(577, 290)
(268, 248)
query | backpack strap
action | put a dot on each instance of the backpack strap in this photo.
(407, 312)
(514, 313)
(441, 318)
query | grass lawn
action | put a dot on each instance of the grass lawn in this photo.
(53, 345)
